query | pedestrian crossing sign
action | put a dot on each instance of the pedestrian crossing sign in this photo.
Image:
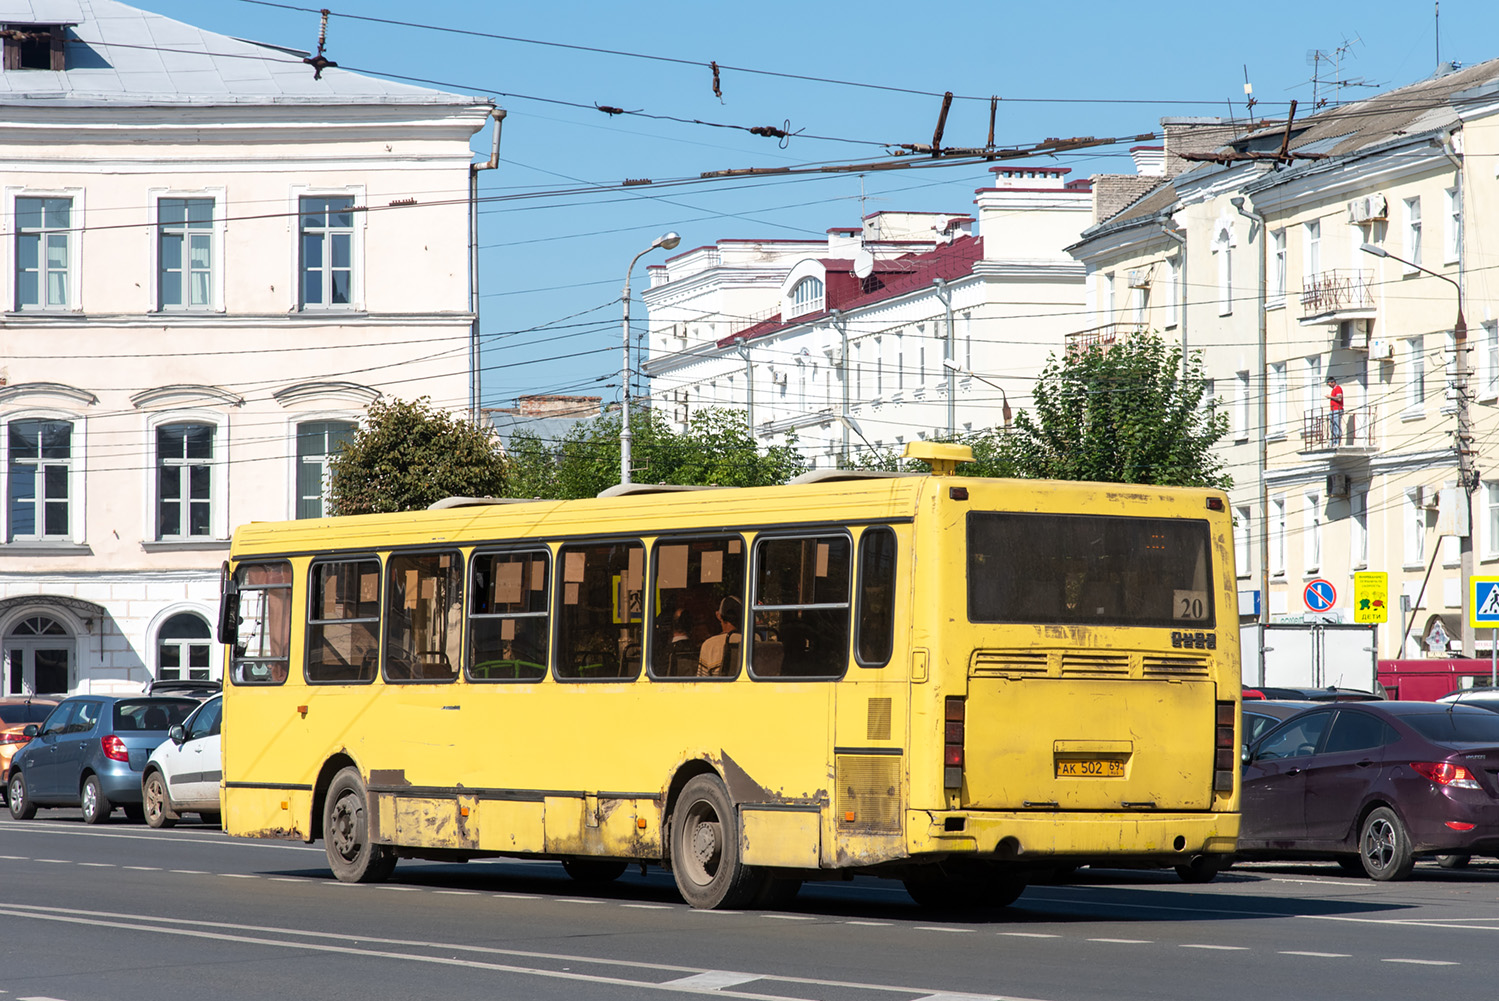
(1483, 603)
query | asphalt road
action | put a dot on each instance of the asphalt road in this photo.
(121, 912)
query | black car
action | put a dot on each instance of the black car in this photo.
(1310, 694)
(200, 690)
(1263, 715)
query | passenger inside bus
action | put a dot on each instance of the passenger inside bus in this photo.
(720, 654)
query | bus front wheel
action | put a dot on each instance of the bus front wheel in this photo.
(705, 849)
(346, 833)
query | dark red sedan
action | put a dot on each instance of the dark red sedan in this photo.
(1373, 785)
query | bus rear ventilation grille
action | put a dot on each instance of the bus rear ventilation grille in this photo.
(1010, 663)
(1093, 665)
(1175, 667)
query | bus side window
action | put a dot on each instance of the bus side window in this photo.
(343, 621)
(876, 610)
(802, 602)
(695, 582)
(600, 611)
(262, 648)
(508, 620)
(423, 616)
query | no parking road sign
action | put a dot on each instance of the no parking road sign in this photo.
(1483, 603)
(1320, 595)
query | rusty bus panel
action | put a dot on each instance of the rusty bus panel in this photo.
(786, 838)
(429, 822)
(513, 826)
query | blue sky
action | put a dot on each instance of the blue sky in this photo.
(552, 264)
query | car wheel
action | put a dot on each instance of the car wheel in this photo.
(158, 806)
(1454, 861)
(346, 833)
(1385, 847)
(21, 806)
(96, 805)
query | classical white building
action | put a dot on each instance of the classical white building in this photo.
(911, 326)
(215, 258)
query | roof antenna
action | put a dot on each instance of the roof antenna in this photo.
(318, 62)
(1249, 101)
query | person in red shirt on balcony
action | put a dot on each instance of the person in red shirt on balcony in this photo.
(1335, 409)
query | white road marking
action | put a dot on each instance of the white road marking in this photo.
(1122, 941)
(55, 861)
(577, 900)
(1319, 955)
(1220, 948)
(282, 937)
(15, 858)
(871, 924)
(189, 872)
(238, 875)
(789, 917)
(293, 879)
(958, 931)
(1028, 934)
(98, 865)
(1422, 962)
(712, 980)
(397, 887)
(143, 868)
(449, 893)
(649, 907)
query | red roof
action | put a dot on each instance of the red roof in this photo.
(891, 277)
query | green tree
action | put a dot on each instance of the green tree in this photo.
(716, 449)
(1127, 413)
(407, 454)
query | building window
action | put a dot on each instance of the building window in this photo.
(806, 296)
(182, 649)
(43, 252)
(1312, 532)
(185, 253)
(1171, 293)
(184, 481)
(38, 481)
(1452, 235)
(35, 47)
(1491, 520)
(317, 443)
(1488, 362)
(1358, 527)
(1277, 401)
(1241, 540)
(1278, 264)
(1315, 389)
(1242, 403)
(1313, 262)
(327, 226)
(1412, 233)
(1415, 528)
(1223, 248)
(1278, 536)
(1415, 375)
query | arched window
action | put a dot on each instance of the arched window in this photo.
(38, 652)
(806, 296)
(182, 649)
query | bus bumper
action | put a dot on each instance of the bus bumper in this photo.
(1032, 836)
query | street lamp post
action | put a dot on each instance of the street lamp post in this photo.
(667, 241)
(1467, 476)
(953, 368)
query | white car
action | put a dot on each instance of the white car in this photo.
(182, 775)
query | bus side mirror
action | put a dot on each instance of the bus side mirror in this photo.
(228, 608)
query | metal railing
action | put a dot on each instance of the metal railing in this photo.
(1102, 337)
(1335, 291)
(1356, 429)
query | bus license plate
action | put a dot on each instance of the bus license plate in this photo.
(1093, 768)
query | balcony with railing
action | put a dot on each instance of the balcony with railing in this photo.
(1105, 336)
(1356, 432)
(1337, 295)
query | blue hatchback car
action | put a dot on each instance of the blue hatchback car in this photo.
(89, 752)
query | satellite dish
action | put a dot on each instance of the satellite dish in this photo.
(863, 263)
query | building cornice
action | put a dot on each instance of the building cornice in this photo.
(304, 392)
(48, 390)
(182, 395)
(214, 321)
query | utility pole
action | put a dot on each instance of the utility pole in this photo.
(949, 359)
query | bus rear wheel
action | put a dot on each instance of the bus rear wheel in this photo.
(950, 887)
(705, 849)
(594, 870)
(346, 833)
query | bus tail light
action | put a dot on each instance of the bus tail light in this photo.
(114, 748)
(1225, 754)
(952, 743)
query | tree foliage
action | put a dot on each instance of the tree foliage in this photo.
(1127, 413)
(407, 454)
(716, 449)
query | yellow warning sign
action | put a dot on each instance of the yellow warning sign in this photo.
(1371, 595)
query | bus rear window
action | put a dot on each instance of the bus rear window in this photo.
(1052, 569)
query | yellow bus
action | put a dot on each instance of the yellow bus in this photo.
(953, 681)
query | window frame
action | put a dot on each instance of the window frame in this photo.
(182, 644)
(39, 498)
(356, 231)
(387, 616)
(236, 661)
(752, 608)
(216, 232)
(518, 549)
(74, 196)
(298, 461)
(559, 595)
(214, 465)
(860, 564)
(1276, 295)
(310, 623)
(746, 627)
(1412, 245)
